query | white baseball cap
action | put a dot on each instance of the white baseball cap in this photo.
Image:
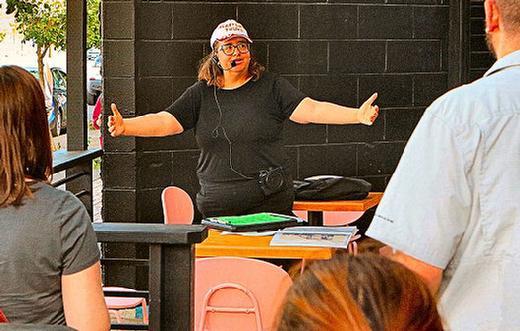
(227, 30)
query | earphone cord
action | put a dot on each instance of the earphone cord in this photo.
(219, 125)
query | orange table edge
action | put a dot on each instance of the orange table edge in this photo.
(370, 201)
(217, 244)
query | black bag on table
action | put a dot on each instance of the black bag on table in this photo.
(331, 188)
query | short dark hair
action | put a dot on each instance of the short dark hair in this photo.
(25, 142)
(510, 11)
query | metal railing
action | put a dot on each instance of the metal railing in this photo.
(78, 173)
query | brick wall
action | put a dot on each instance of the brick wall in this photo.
(339, 51)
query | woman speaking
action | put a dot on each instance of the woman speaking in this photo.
(237, 111)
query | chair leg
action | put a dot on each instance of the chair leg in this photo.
(145, 311)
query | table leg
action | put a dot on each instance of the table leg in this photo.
(315, 218)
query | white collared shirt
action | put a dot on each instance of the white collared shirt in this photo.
(454, 200)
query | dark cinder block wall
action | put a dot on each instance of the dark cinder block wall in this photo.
(479, 57)
(340, 51)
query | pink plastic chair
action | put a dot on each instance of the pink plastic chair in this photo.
(334, 218)
(177, 206)
(234, 293)
(116, 303)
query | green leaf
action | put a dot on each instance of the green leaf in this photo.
(43, 23)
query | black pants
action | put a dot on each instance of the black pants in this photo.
(243, 197)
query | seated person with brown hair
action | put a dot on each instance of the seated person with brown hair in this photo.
(357, 293)
(49, 260)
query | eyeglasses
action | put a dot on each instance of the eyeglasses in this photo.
(229, 49)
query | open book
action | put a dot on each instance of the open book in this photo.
(318, 236)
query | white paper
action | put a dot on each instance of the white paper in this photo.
(314, 236)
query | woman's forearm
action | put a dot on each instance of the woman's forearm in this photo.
(320, 112)
(152, 125)
(330, 113)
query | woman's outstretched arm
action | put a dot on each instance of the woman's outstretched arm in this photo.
(152, 125)
(319, 112)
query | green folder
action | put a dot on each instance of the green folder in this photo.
(251, 222)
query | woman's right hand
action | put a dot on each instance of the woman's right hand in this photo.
(116, 124)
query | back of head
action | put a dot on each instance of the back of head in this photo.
(510, 12)
(25, 149)
(363, 292)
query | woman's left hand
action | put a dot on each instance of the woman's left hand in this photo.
(367, 113)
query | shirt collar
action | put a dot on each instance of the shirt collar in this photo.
(512, 59)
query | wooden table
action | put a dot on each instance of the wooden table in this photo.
(217, 244)
(315, 209)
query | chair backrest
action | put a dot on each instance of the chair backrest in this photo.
(338, 218)
(334, 218)
(177, 206)
(234, 293)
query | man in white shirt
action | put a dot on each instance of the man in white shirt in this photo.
(451, 211)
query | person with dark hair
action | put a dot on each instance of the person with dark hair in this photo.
(366, 292)
(237, 111)
(451, 211)
(49, 259)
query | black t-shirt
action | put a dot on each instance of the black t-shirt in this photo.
(243, 138)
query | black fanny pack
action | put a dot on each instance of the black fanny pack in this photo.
(272, 180)
(331, 188)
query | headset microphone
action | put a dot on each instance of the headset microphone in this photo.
(217, 62)
(233, 64)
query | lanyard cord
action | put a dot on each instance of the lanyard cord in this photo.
(214, 134)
